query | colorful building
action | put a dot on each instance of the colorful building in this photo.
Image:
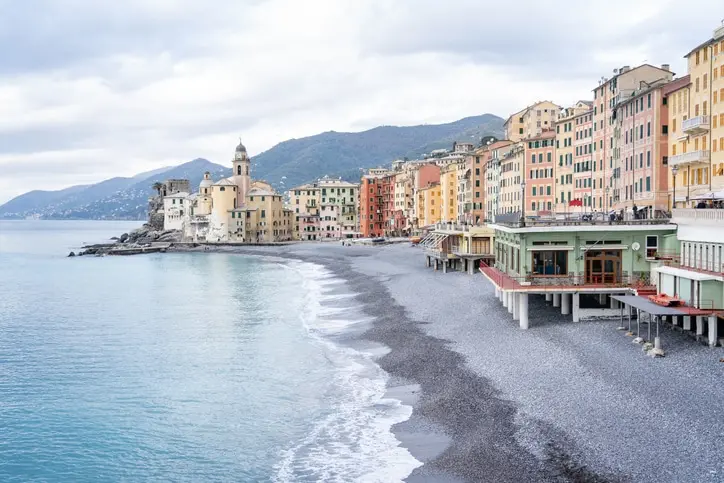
(539, 173)
(531, 121)
(573, 130)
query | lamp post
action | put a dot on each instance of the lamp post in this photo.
(521, 222)
(674, 171)
(608, 205)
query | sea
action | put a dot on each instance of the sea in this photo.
(183, 367)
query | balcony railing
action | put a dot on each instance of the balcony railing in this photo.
(701, 156)
(686, 216)
(696, 125)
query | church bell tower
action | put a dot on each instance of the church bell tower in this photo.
(242, 174)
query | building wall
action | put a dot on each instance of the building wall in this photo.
(174, 211)
(448, 191)
(678, 102)
(539, 173)
(511, 176)
(583, 160)
(371, 219)
(431, 204)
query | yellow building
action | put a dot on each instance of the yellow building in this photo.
(305, 201)
(429, 201)
(531, 121)
(223, 200)
(449, 192)
(264, 218)
(696, 148)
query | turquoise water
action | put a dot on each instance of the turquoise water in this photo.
(182, 367)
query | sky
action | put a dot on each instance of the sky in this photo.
(91, 89)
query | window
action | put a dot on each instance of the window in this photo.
(665, 129)
(696, 83)
(649, 100)
(648, 158)
(648, 129)
(673, 125)
(705, 81)
(703, 108)
(550, 262)
(652, 246)
(648, 183)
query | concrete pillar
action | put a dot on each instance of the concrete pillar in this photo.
(523, 310)
(511, 299)
(576, 307)
(504, 299)
(516, 306)
(444, 266)
(675, 320)
(556, 300)
(549, 297)
(713, 336)
(699, 325)
(471, 267)
(614, 303)
(602, 298)
(428, 261)
(687, 322)
(565, 304)
(497, 293)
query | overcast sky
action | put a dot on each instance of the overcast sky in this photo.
(91, 89)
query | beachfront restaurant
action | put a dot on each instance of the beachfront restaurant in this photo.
(458, 247)
(577, 266)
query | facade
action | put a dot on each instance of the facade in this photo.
(495, 154)
(698, 153)
(465, 191)
(338, 208)
(640, 176)
(424, 176)
(573, 130)
(371, 206)
(305, 202)
(609, 133)
(582, 172)
(429, 201)
(539, 173)
(449, 191)
(510, 187)
(175, 207)
(677, 97)
(531, 121)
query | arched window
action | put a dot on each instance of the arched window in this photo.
(238, 170)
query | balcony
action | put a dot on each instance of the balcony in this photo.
(692, 216)
(696, 125)
(701, 156)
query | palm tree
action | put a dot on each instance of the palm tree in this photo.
(158, 187)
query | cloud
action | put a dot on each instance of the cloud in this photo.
(91, 90)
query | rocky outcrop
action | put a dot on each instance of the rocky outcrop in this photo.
(141, 240)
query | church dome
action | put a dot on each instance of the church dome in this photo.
(240, 148)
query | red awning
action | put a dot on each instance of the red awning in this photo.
(576, 202)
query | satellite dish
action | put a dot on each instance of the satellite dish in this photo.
(635, 246)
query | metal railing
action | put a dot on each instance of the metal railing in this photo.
(697, 215)
(625, 280)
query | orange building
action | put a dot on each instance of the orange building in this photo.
(376, 199)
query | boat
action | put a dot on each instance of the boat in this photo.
(415, 240)
(665, 300)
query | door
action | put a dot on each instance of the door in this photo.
(603, 267)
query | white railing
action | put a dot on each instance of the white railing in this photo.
(696, 123)
(697, 215)
(701, 156)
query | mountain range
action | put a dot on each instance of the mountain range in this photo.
(286, 165)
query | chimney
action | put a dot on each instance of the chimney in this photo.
(625, 68)
(665, 67)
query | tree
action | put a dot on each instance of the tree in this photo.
(158, 187)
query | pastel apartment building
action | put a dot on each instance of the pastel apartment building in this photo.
(539, 172)
(573, 136)
(531, 121)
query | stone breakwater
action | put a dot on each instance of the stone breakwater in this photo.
(145, 239)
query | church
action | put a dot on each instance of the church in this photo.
(233, 209)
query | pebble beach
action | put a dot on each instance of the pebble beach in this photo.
(562, 401)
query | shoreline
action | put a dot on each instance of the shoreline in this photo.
(461, 428)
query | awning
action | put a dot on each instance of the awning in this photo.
(433, 239)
